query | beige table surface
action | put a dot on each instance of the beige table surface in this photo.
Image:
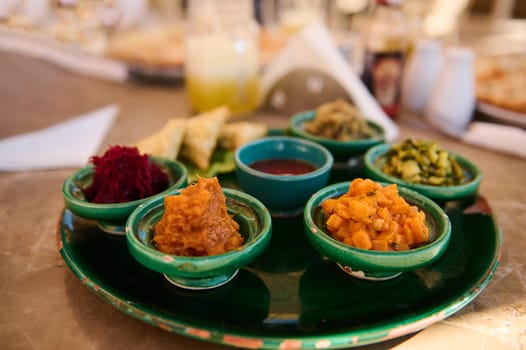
(44, 306)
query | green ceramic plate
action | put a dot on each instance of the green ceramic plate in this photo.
(291, 297)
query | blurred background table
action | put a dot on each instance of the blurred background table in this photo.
(44, 306)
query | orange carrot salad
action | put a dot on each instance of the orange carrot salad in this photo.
(373, 217)
(196, 222)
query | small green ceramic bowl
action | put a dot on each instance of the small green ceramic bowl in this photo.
(375, 158)
(112, 217)
(200, 272)
(339, 149)
(369, 264)
(284, 195)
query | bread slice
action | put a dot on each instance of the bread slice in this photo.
(157, 47)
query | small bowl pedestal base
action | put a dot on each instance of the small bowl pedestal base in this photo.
(201, 283)
(370, 276)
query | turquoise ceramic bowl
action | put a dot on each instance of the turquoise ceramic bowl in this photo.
(208, 271)
(284, 195)
(375, 158)
(112, 217)
(369, 264)
(339, 149)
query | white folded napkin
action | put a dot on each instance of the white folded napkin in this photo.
(69, 144)
(314, 48)
(497, 137)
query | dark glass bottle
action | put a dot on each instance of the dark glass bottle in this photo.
(386, 40)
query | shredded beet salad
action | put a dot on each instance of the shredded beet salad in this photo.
(122, 174)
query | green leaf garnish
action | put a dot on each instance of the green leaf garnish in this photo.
(222, 161)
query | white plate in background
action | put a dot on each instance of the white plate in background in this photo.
(499, 114)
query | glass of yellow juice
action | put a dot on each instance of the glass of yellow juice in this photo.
(222, 66)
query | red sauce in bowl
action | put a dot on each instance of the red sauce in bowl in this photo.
(283, 166)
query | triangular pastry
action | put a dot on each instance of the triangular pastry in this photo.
(201, 135)
(172, 137)
(151, 145)
(166, 142)
(236, 134)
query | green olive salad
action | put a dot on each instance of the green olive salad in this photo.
(423, 162)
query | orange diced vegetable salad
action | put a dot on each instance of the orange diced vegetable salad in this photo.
(373, 217)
